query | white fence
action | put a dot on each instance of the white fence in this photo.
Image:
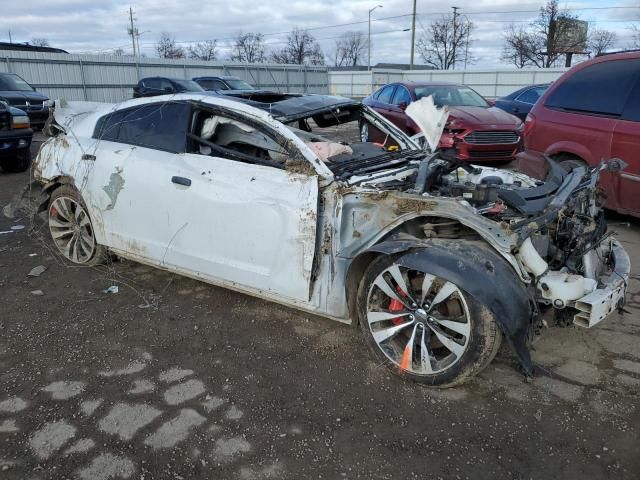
(489, 83)
(111, 79)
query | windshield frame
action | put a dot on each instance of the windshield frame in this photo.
(426, 90)
(11, 79)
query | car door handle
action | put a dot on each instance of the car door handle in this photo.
(181, 181)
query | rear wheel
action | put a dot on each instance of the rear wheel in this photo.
(569, 162)
(71, 228)
(423, 326)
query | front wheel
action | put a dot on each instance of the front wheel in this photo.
(423, 326)
(71, 228)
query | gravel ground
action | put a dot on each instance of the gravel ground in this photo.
(171, 378)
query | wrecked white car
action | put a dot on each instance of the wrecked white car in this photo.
(435, 260)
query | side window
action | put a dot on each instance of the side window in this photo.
(218, 85)
(600, 89)
(402, 96)
(161, 126)
(632, 108)
(206, 84)
(530, 96)
(152, 83)
(218, 135)
(386, 93)
(164, 84)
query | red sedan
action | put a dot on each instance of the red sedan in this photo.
(475, 131)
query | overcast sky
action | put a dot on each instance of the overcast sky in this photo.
(99, 26)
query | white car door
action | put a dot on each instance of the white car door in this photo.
(135, 187)
(250, 225)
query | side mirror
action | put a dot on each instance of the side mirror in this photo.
(403, 106)
(169, 89)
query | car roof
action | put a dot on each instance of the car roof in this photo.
(173, 79)
(217, 77)
(634, 53)
(413, 83)
(515, 93)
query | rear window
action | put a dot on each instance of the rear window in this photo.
(532, 95)
(632, 108)
(600, 89)
(385, 94)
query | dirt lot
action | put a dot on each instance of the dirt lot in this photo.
(174, 379)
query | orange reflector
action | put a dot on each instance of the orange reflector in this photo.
(406, 358)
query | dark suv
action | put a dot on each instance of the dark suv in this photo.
(152, 86)
(590, 114)
(16, 92)
(15, 139)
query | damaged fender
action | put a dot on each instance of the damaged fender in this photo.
(485, 275)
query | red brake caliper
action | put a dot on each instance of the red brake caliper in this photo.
(397, 306)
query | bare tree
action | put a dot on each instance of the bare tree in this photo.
(118, 52)
(600, 41)
(351, 48)
(446, 42)
(40, 42)
(521, 47)
(248, 48)
(168, 48)
(203, 50)
(301, 49)
(548, 38)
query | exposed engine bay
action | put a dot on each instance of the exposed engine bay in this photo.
(555, 218)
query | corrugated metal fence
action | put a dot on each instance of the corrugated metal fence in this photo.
(104, 78)
(489, 83)
(111, 79)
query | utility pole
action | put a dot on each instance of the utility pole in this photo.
(413, 34)
(10, 40)
(132, 31)
(455, 33)
(369, 43)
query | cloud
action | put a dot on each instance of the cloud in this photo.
(98, 26)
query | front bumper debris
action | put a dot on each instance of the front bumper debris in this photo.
(597, 305)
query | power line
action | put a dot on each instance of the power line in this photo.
(431, 14)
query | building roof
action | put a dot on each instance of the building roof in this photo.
(25, 47)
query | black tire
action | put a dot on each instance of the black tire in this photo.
(569, 162)
(482, 344)
(95, 255)
(20, 163)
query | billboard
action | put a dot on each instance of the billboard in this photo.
(571, 35)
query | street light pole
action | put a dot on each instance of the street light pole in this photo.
(369, 43)
(413, 34)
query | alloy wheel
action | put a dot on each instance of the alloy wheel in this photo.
(71, 229)
(420, 322)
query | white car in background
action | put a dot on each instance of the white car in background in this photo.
(436, 260)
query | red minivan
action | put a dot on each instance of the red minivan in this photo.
(589, 114)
